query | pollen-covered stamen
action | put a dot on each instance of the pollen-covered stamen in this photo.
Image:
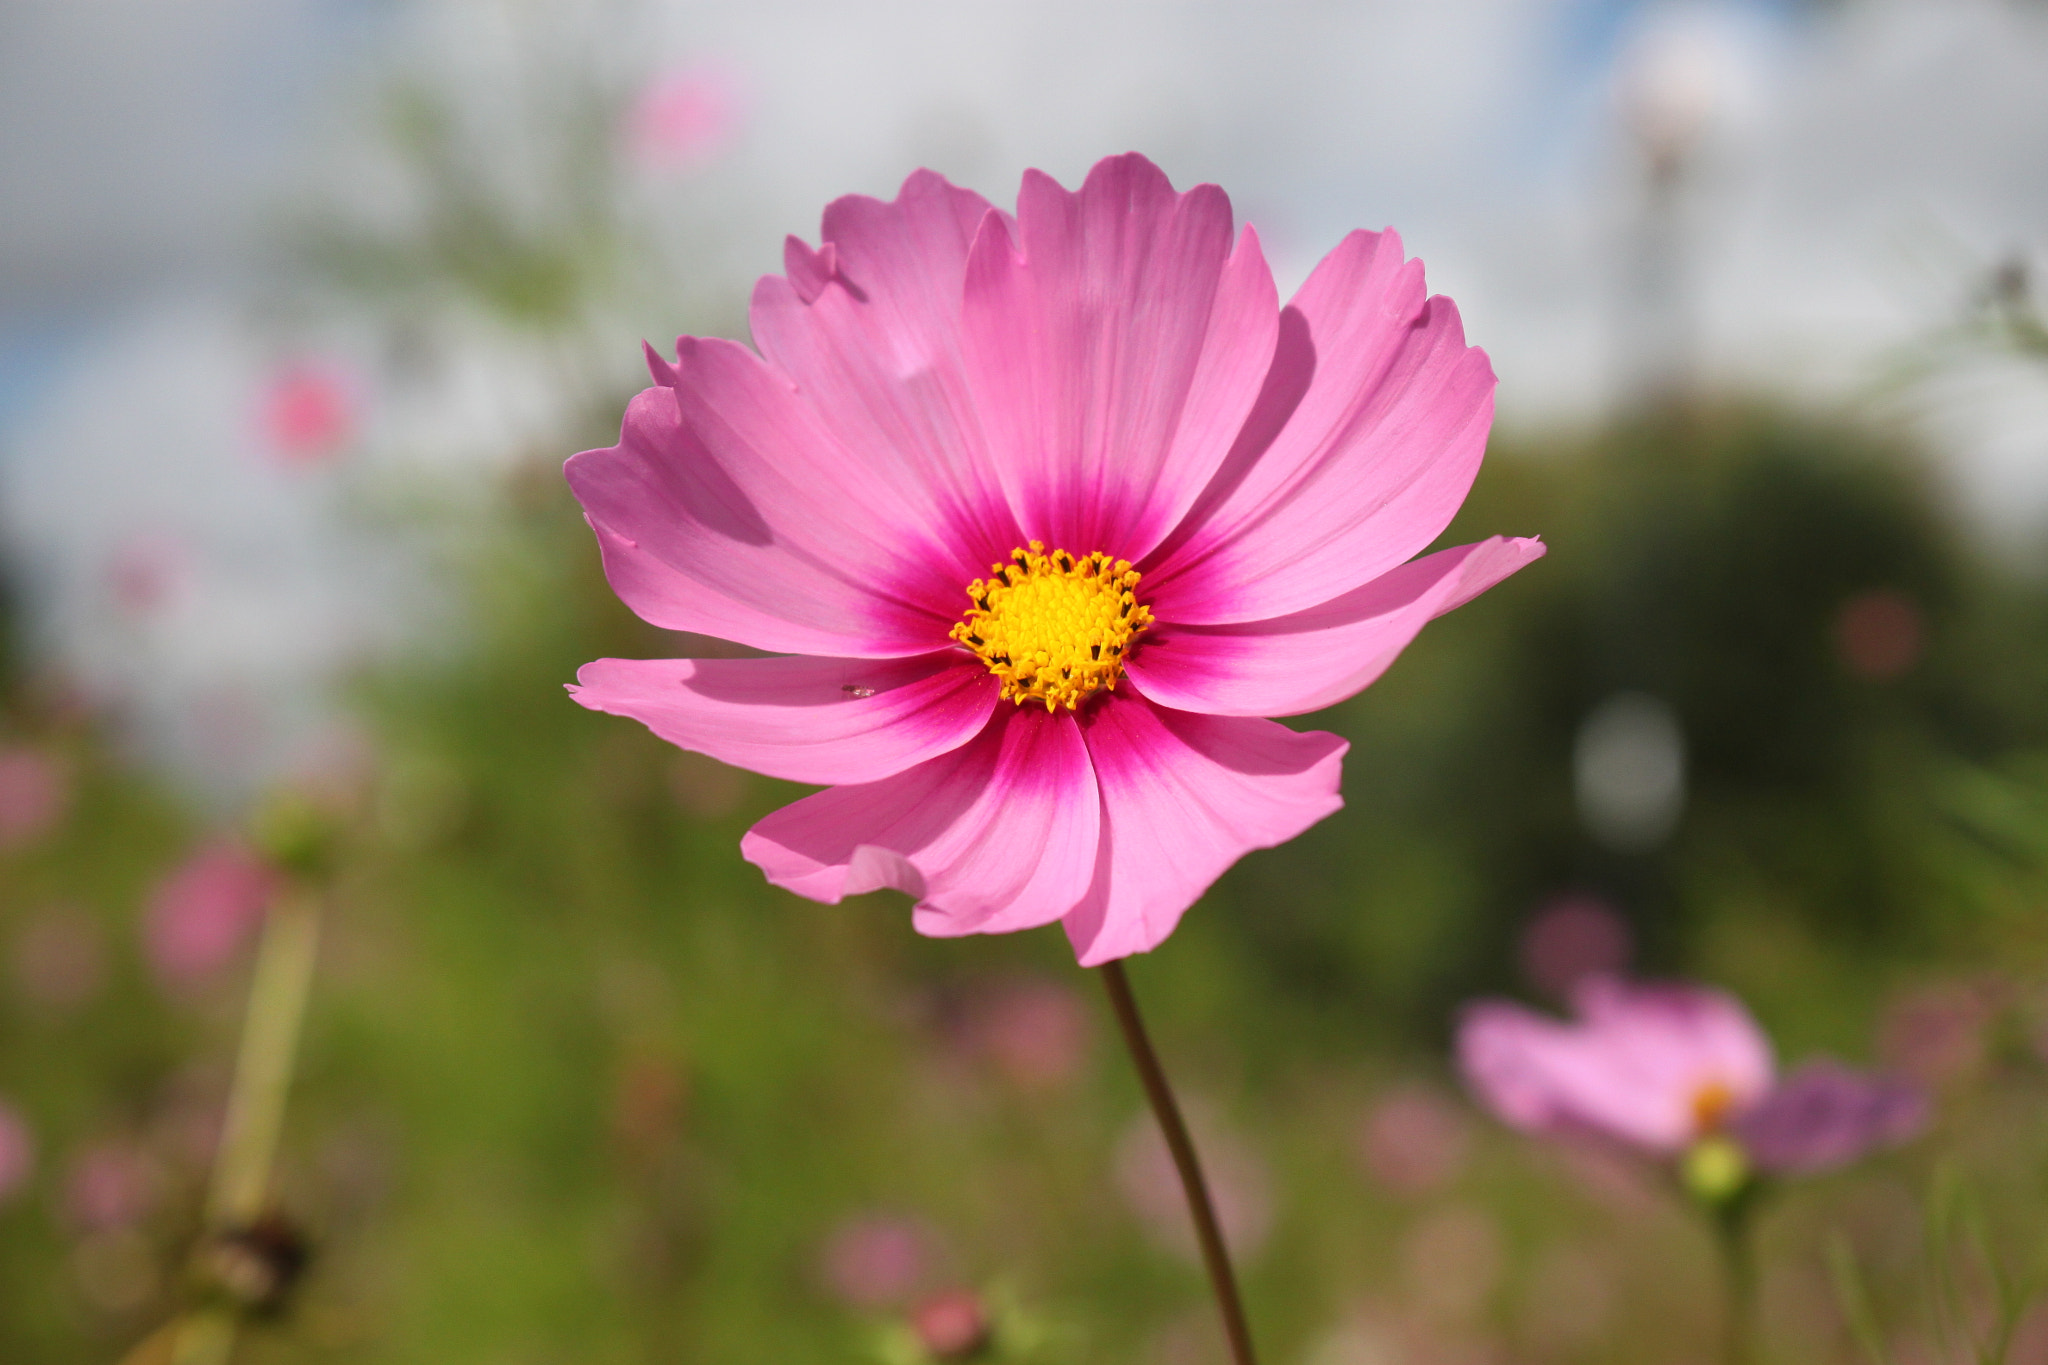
(1712, 1106)
(1055, 627)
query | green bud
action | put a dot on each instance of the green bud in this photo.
(294, 834)
(1714, 1169)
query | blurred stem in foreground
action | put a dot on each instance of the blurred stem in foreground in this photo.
(1738, 1263)
(1716, 1172)
(1214, 1255)
(245, 1258)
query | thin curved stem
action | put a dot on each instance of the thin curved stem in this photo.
(1214, 1255)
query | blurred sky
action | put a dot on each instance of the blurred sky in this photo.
(1859, 168)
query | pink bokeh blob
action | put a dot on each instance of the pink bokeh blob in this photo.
(17, 1151)
(1572, 937)
(1415, 1140)
(685, 118)
(35, 791)
(204, 911)
(308, 413)
(877, 1260)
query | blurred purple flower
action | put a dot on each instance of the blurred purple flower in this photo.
(17, 1151)
(1414, 1140)
(1654, 1066)
(877, 1259)
(685, 118)
(58, 960)
(1570, 938)
(203, 912)
(33, 795)
(1825, 1114)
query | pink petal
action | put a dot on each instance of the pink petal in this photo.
(1826, 1115)
(1635, 1069)
(873, 343)
(1364, 442)
(729, 510)
(1669, 1028)
(1318, 657)
(1183, 797)
(799, 718)
(1114, 351)
(997, 835)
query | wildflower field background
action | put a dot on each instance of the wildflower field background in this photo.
(576, 1085)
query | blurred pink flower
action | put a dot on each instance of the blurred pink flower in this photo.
(1654, 1066)
(1451, 1261)
(1662, 1066)
(1937, 1033)
(1824, 1115)
(1879, 634)
(985, 469)
(951, 1325)
(112, 1183)
(35, 790)
(685, 118)
(1036, 1032)
(1414, 1140)
(308, 412)
(17, 1151)
(202, 913)
(58, 960)
(1570, 938)
(146, 572)
(1239, 1187)
(877, 1260)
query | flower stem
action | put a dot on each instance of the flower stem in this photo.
(1207, 1232)
(1738, 1268)
(255, 1115)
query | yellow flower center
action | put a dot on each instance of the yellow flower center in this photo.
(1054, 627)
(1710, 1105)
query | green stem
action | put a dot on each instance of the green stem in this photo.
(255, 1113)
(1739, 1280)
(1207, 1232)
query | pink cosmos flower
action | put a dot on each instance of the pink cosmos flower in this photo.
(1655, 1066)
(1045, 513)
(1661, 1067)
(205, 910)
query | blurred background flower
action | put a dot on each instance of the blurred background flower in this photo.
(205, 910)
